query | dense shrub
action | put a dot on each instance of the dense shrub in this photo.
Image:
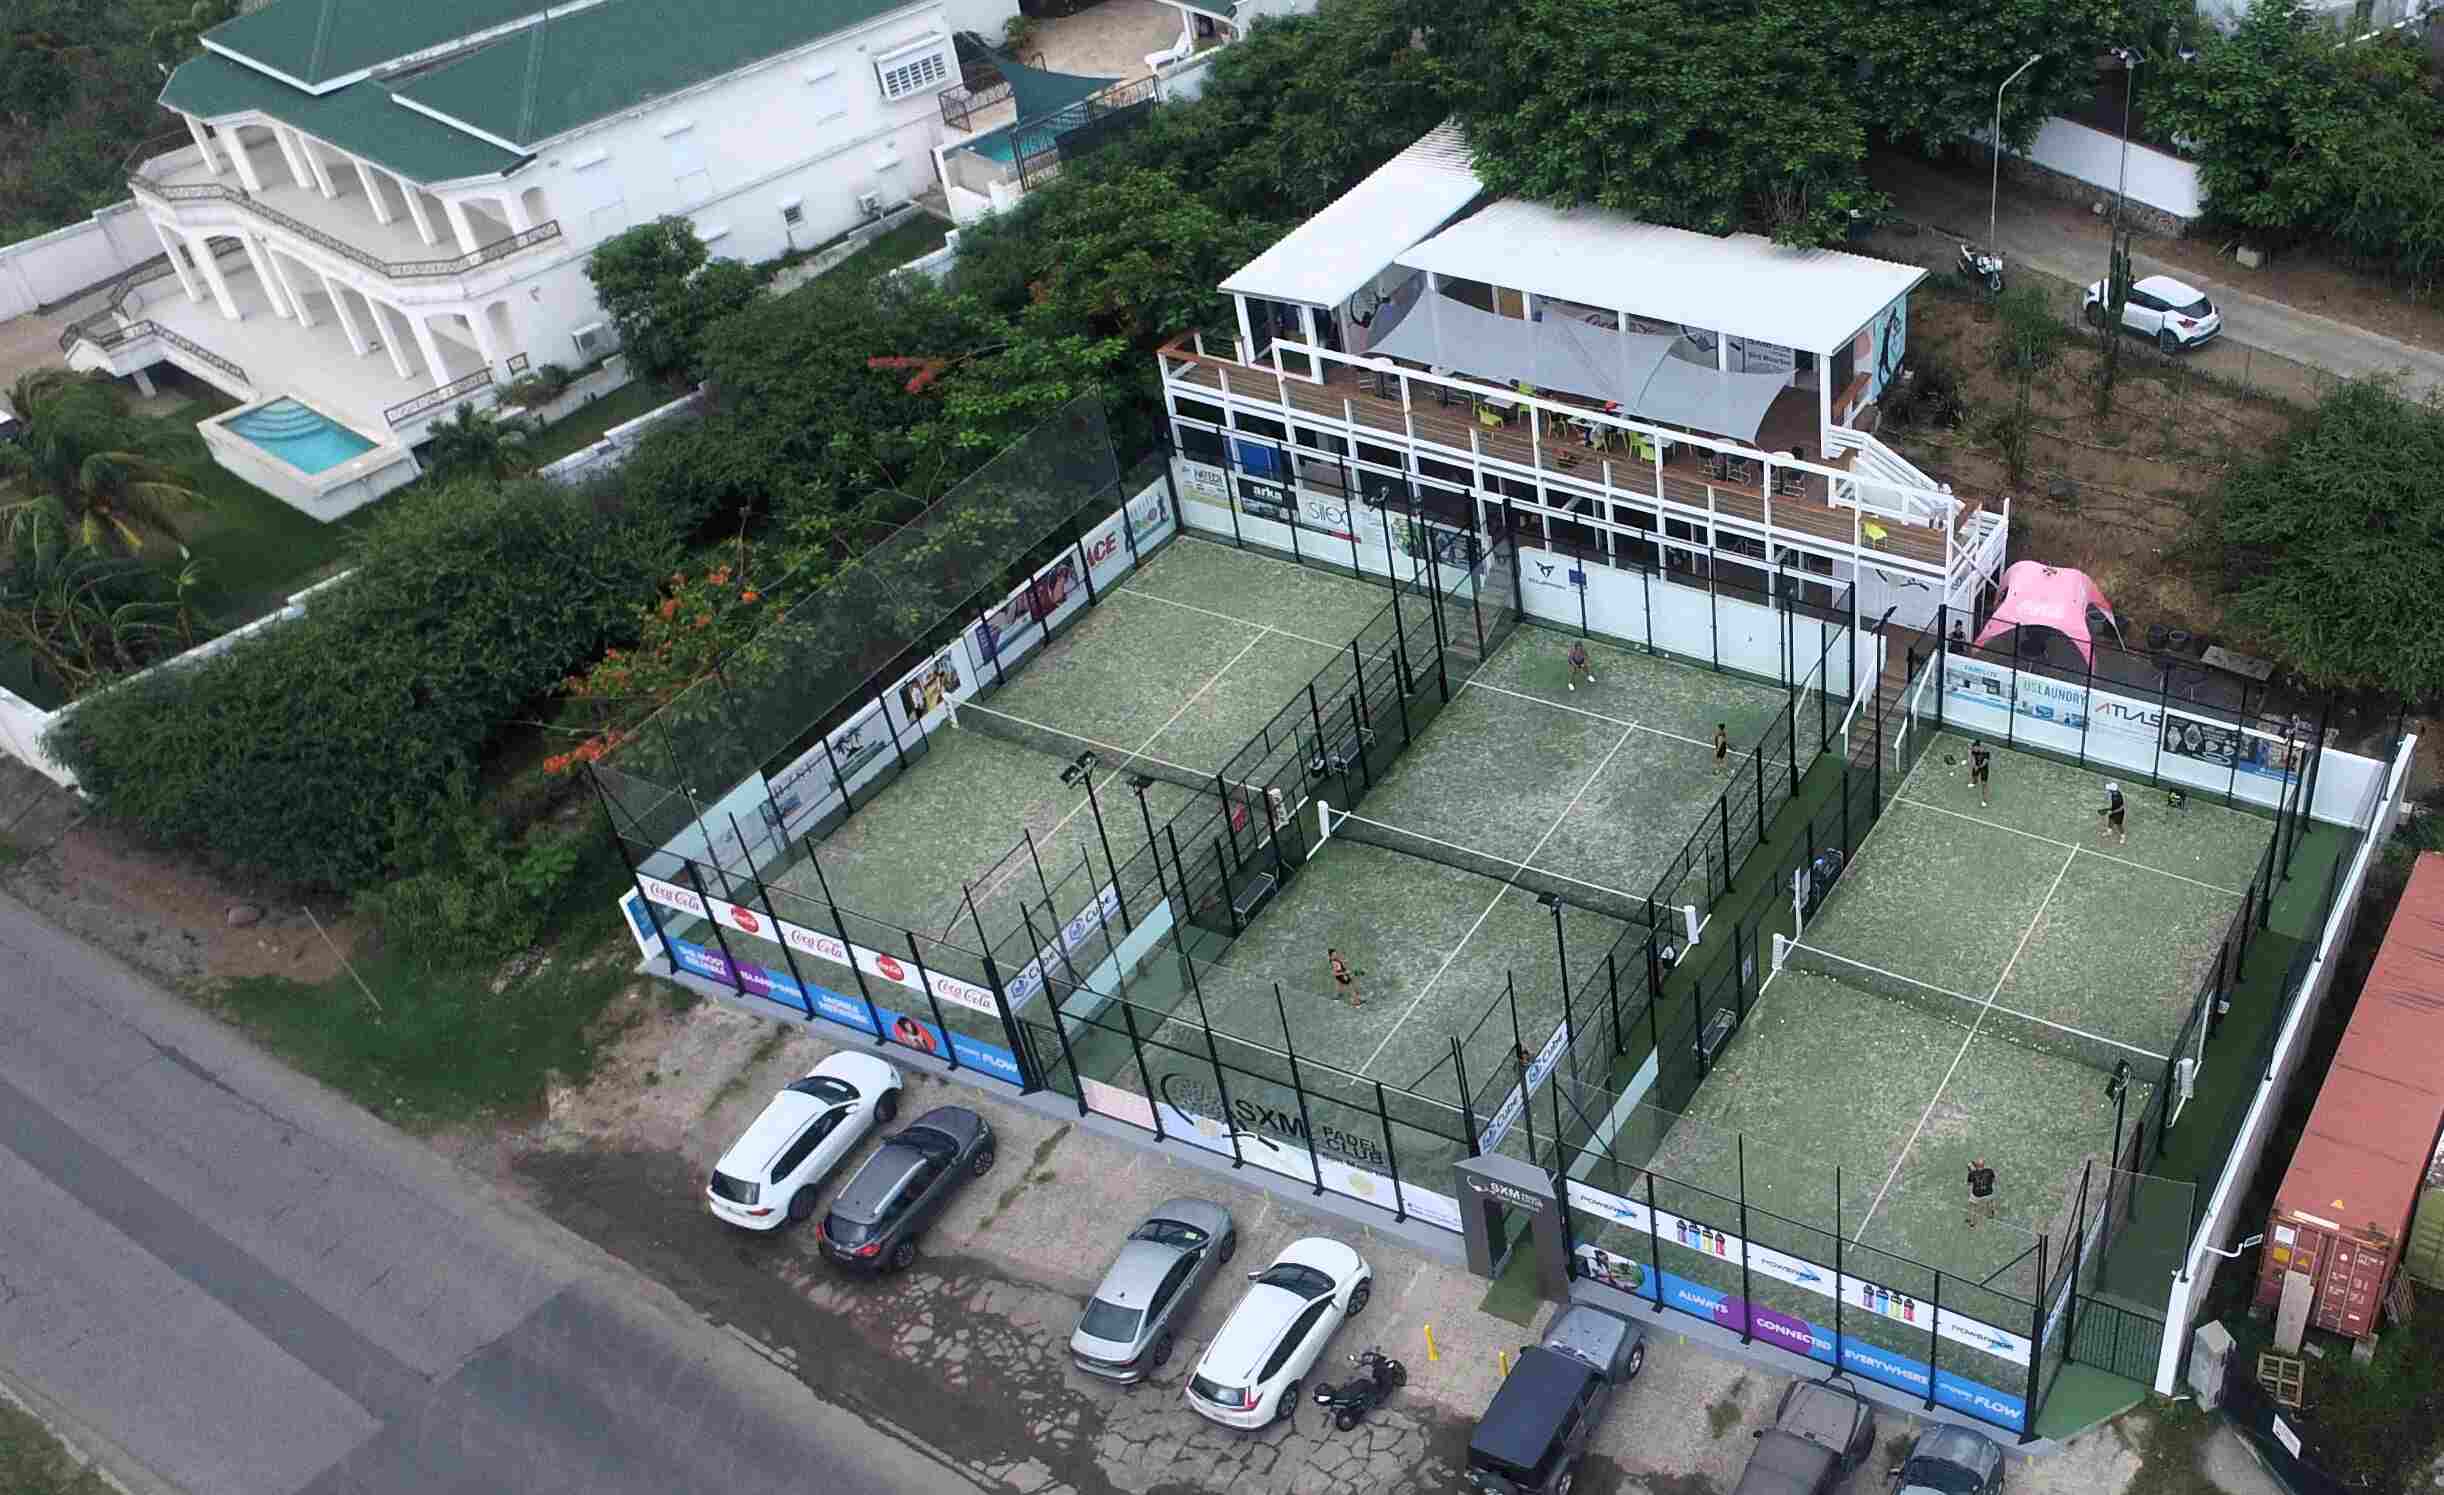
(477, 894)
(302, 753)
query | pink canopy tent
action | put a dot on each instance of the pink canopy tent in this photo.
(2055, 597)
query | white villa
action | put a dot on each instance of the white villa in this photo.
(381, 210)
(1615, 392)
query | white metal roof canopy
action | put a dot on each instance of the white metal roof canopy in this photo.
(1332, 256)
(1743, 285)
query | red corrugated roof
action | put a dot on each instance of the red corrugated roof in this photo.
(2380, 1107)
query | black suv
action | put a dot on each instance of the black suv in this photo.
(1536, 1429)
(874, 1224)
(1822, 1430)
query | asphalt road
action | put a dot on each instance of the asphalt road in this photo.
(221, 1279)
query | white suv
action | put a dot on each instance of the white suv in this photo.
(1251, 1373)
(2173, 312)
(770, 1173)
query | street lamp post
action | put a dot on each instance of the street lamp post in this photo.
(1994, 184)
(2130, 61)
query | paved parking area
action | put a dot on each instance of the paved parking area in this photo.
(965, 1352)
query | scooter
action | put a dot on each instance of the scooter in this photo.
(1977, 265)
(1360, 1394)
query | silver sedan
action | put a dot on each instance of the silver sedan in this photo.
(1151, 1289)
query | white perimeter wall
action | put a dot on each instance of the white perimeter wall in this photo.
(55, 266)
(2221, 1216)
(2092, 156)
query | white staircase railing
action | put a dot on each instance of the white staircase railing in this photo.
(1884, 482)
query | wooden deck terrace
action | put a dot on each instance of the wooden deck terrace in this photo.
(1802, 507)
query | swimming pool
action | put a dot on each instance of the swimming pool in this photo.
(299, 435)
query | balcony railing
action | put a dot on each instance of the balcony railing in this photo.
(107, 338)
(176, 192)
(434, 399)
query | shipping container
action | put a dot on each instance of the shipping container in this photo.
(2342, 1216)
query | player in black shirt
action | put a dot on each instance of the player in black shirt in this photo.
(1981, 770)
(2115, 815)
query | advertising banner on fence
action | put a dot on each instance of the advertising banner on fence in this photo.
(1800, 1336)
(1764, 1261)
(638, 915)
(2059, 703)
(1507, 1115)
(903, 1028)
(1083, 925)
(807, 787)
(821, 946)
(2236, 748)
(1270, 1139)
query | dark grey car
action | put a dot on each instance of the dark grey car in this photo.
(1822, 1430)
(874, 1224)
(1133, 1319)
(1951, 1461)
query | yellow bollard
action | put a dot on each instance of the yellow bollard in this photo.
(1431, 1352)
(1503, 1358)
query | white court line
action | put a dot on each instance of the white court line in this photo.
(996, 888)
(1618, 721)
(1929, 1112)
(1558, 822)
(2067, 845)
(1261, 628)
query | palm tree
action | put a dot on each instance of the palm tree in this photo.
(476, 441)
(82, 616)
(88, 463)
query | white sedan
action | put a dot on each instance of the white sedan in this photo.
(1251, 1373)
(771, 1173)
(2173, 312)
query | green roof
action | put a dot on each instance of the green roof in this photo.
(315, 41)
(571, 70)
(361, 119)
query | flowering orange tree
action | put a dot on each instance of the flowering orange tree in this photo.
(702, 618)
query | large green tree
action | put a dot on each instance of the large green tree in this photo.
(663, 291)
(1716, 116)
(2333, 543)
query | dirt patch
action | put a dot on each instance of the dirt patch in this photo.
(2122, 498)
(156, 911)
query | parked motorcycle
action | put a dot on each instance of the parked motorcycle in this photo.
(1978, 265)
(1360, 1394)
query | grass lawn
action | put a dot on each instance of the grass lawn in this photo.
(255, 549)
(445, 1047)
(584, 426)
(918, 237)
(32, 1462)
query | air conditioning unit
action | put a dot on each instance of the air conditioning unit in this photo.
(870, 204)
(593, 340)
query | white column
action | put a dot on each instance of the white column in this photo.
(415, 210)
(144, 382)
(432, 349)
(479, 323)
(347, 319)
(248, 177)
(513, 209)
(203, 143)
(259, 256)
(460, 226)
(386, 318)
(289, 151)
(373, 191)
(288, 283)
(314, 163)
(170, 245)
(214, 278)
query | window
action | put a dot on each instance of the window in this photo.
(687, 168)
(914, 70)
(595, 193)
(1173, 1281)
(794, 1156)
(827, 100)
(1300, 1328)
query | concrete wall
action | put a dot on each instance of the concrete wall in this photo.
(65, 263)
(2079, 164)
(22, 723)
(607, 454)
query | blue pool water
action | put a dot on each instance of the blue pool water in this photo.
(299, 435)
